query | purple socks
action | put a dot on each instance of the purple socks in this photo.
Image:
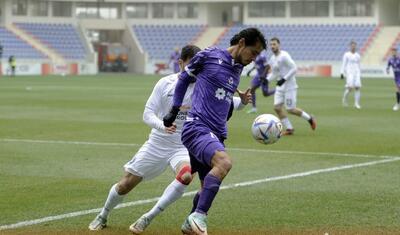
(207, 195)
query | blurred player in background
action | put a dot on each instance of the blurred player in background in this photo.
(394, 62)
(352, 71)
(217, 75)
(284, 70)
(174, 60)
(262, 67)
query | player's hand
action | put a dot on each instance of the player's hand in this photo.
(245, 97)
(170, 117)
(280, 82)
(171, 129)
(341, 76)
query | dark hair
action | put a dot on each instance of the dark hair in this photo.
(251, 36)
(276, 39)
(394, 49)
(188, 52)
(353, 42)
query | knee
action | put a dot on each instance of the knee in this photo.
(185, 175)
(277, 109)
(123, 188)
(224, 163)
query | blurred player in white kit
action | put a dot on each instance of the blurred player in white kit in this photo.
(283, 69)
(352, 71)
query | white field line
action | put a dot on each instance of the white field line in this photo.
(229, 186)
(232, 149)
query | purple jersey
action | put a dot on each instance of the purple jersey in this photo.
(217, 78)
(261, 63)
(394, 62)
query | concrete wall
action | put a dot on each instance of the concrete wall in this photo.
(137, 58)
(389, 11)
(331, 19)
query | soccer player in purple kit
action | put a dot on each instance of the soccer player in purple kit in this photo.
(394, 62)
(174, 60)
(262, 67)
(217, 75)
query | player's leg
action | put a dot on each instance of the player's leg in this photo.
(255, 83)
(279, 100)
(221, 164)
(186, 228)
(397, 82)
(357, 90)
(115, 196)
(215, 163)
(145, 165)
(290, 103)
(173, 192)
(265, 89)
(348, 89)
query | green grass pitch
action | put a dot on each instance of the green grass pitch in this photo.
(48, 178)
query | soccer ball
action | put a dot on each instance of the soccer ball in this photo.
(267, 129)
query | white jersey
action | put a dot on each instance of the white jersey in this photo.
(283, 66)
(159, 104)
(351, 63)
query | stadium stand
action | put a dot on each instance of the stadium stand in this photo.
(312, 42)
(159, 41)
(62, 38)
(13, 45)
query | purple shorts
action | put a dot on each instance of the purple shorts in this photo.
(397, 81)
(202, 145)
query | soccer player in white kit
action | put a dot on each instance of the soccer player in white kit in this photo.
(352, 71)
(284, 70)
(163, 148)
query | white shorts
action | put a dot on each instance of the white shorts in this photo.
(289, 98)
(151, 160)
(353, 80)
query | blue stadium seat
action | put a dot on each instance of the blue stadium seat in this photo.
(63, 38)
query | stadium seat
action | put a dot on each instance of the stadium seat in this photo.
(311, 42)
(62, 38)
(13, 45)
(159, 41)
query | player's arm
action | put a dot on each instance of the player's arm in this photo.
(251, 70)
(288, 61)
(185, 78)
(154, 104)
(389, 64)
(344, 66)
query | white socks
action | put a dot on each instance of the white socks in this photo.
(346, 93)
(306, 116)
(173, 192)
(287, 123)
(112, 201)
(357, 96)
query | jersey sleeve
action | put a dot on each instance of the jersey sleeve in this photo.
(152, 105)
(188, 76)
(237, 103)
(272, 75)
(389, 64)
(287, 59)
